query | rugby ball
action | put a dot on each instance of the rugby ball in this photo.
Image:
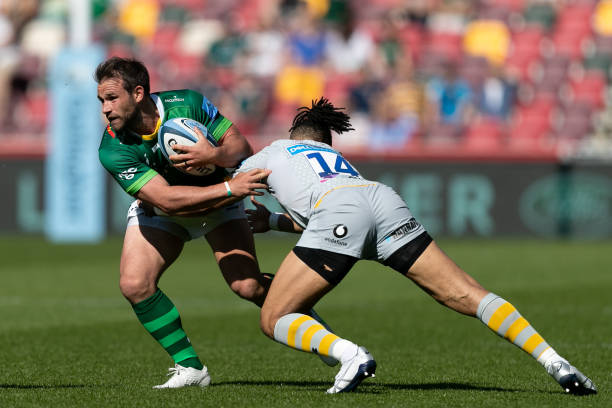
(181, 131)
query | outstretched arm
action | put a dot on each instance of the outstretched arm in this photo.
(194, 201)
(261, 219)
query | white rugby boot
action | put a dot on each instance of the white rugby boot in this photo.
(354, 371)
(570, 379)
(186, 377)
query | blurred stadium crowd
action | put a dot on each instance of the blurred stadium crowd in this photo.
(488, 74)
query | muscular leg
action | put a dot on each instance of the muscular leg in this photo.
(439, 276)
(147, 253)
(234, 249)
(296, 288)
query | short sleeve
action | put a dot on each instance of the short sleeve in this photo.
(127, 170)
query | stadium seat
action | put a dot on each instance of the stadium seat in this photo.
(525, 50)
(444, 44)
(516, 6)
(590, 89)
(570, 44)
(532, 123)
(165, 38)
(575, 121)
(550, 74)
(412, 38)
(484, 135)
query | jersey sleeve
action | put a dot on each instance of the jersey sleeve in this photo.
(217, 124)
(126, 169)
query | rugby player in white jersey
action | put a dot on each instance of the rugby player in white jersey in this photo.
(344, 217)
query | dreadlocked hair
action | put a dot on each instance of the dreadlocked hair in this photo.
(317, 122)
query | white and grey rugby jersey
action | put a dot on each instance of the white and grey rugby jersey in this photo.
(302, 172)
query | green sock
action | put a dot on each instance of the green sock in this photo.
(160, 318)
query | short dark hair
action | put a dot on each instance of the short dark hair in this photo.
(318, 121)
(131, 71)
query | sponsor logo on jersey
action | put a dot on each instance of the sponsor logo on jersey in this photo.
(300, 148)
(340, 231)
(174, 99)
(335, 241)
(409, 227)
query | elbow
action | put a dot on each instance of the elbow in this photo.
(168, 207)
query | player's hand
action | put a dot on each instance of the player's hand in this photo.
(259, 218)
(247, 184)
(197, 155)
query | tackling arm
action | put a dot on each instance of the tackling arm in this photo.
(193, 201)
(259, 220)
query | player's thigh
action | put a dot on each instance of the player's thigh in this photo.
(147, 253)
(296, 288)
(437, 274)
(234, 249)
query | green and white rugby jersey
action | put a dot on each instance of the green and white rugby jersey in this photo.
(134, 159)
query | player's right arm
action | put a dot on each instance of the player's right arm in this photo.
(139, 180)
(260, 220)
(192, 201)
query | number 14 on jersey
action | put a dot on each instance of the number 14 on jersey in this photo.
(330, 164)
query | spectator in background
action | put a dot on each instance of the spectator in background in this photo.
(496, 95)
(14, 16)
(348, 47)
(602, 18)
(139, 18)
(451, 96)
(401, 109)
(487, 38)
(265, 45)
(302, 78)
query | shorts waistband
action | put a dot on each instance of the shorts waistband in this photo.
(339, 187)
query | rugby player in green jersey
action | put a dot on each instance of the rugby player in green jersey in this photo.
(194, 206)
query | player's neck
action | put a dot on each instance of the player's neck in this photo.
(146, 121)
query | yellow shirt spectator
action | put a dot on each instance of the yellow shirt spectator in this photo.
(139, 18)
(487, 38)
(299, 85)
(602, 18)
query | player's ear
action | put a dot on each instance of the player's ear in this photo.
(138, 93)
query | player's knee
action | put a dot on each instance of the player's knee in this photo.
(267, 322)
(249, 289)
(136, 289)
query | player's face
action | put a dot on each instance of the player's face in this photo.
(118, 105)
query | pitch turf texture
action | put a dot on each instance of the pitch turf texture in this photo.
(68, 338)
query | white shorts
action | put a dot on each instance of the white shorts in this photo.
(363, 221)
(186, 228)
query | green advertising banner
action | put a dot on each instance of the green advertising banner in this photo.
(458, 199)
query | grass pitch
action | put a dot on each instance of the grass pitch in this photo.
(68, 338)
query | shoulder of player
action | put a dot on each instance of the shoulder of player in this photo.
(179, 97)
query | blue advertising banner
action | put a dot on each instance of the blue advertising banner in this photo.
(74, 179)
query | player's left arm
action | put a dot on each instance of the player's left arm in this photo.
(231, 150)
